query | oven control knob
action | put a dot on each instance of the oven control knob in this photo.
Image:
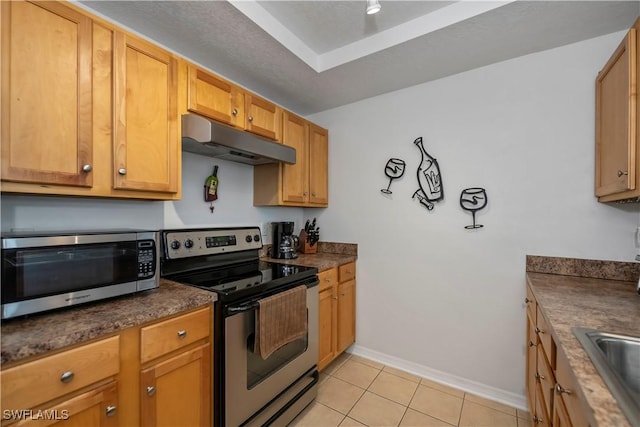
(188, 243)
(248, 239)
(256, 238)
(175, 245)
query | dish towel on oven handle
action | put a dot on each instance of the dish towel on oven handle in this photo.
(281, 319)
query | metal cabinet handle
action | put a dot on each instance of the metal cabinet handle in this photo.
(313, 194)
(182, 333)
(151, 390)
(539, 377)
(234, 112)
(111, 411)
(87, 168)
(537, 419)
(306, 193)
(561, 390)
(67, 377)
(334, 297)
(531, 344)
(539, 331)
(620, 173)
(250, 118)
(527, 301)
(122, 171)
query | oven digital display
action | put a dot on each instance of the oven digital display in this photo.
(214, 242)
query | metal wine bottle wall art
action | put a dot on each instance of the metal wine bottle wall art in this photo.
(430, 188)
(429, 179)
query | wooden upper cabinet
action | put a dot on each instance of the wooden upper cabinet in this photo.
(318, 165)
(262, 117)
(146, 140)
(294, 177)
(46, 94)
(215, 98)
(617, 161)
(306, 182)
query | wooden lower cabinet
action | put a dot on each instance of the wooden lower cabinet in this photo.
(337, 312)
(105, 382)
(177, 391)
(551, 388)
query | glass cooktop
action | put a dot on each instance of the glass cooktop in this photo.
(245, 279)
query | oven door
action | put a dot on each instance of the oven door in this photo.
(251, 383)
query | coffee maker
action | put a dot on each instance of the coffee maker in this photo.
(285, 242)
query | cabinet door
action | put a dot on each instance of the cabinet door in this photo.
(615, 121)
(327, 308)
(346, 314)
(560, 415)
(318, 165)
(294, 177)
(46, 94)
(214, 98)
(146, 140)
(177, 392)
(263, 117)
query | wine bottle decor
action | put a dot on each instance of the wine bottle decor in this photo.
(211, 188)
(473, 199)
(394, 169)
(429, 179)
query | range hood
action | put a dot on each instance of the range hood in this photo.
(208, 138)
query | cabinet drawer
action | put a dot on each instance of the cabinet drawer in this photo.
(328, 278)
(347, 272)
(546, 339)
(33, 383)
(169, 335)
(547, 381)
(531, 305)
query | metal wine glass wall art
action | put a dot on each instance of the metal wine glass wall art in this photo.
(429, 179)
(430, 189)
(473, 199)
(394, 169)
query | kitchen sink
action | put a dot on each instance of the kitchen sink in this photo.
(617, 359)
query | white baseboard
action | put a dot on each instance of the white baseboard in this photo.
(492, 393)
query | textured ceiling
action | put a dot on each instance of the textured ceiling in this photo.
(309, 56)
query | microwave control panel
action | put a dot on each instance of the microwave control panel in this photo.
(146, 259)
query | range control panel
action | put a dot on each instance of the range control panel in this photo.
(198, 242)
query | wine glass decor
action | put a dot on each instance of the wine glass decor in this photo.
(394, 169)
(473, 199)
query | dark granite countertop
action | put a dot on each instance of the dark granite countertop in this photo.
(568, 300)
(35, 335)
(329, 255)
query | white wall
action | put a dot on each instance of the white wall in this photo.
(434, 297)
(234, 206)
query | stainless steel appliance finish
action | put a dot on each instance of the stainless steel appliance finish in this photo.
(208, 138)
(250, 382)
(617, 359)
(43, 271)
(248, 390)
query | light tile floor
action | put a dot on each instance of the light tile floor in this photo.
(355, 391)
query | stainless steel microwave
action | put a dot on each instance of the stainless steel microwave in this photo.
(45, 271)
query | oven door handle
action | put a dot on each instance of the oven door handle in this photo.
(242, 308)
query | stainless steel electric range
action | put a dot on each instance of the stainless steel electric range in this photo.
(248, 390)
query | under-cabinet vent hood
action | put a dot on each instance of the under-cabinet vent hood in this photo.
(208, 138)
